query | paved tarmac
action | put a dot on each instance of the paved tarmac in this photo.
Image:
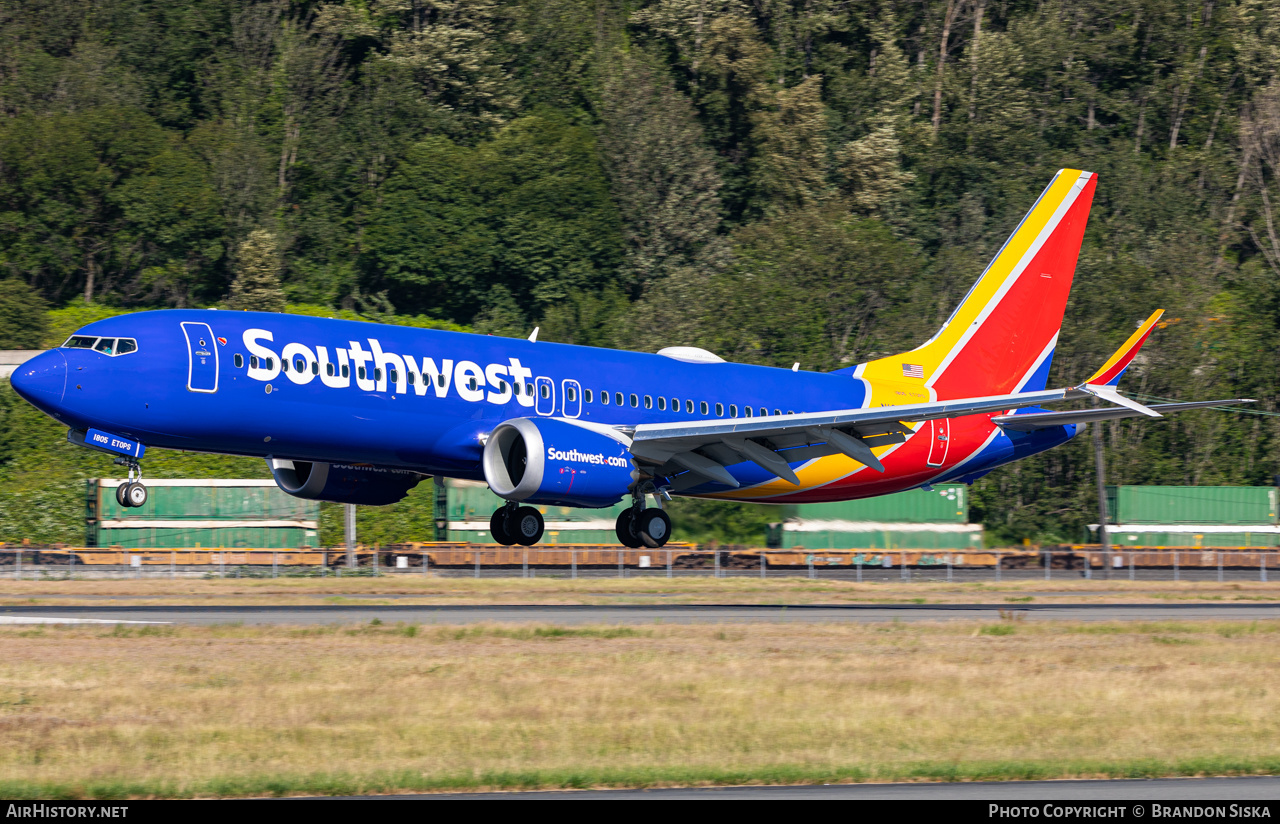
(1244, 789)
(644, 613)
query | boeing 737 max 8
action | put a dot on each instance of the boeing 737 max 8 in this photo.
(360, 412)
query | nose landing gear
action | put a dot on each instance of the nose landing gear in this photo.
(131, 493)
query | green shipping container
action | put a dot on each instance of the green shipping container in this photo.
(549, 538)
(216, 538)
(473, 502)
(470, 505)
(185, 513)
(901, 538)
(944, 504)
(1205, 505)
(1241, 536)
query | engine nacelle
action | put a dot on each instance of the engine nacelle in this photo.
(343, 483)
(558, 463)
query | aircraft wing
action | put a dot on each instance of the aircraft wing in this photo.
(1041, 420)
(705, 448)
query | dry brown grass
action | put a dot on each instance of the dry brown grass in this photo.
(436, 590)
(236, 710)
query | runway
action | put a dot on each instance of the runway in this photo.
(631, 614)
(1238, 790)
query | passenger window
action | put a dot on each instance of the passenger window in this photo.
(719, 410)
(763, 412)
(702, 408)
(662, 404)
(604, 398)
(328, 368)
(617, 398)
(253, 361)
(346, 371)
(300, 365)
(789, 412)
(80, 342)
(284, 365)
(588, 391)
(733, 410)
(634, 401)
(439, 378)
(746, 410)
(360, 373)
(688, 407)
(377, 374)
(777, 411)
(648, 401)
(675, 404)
(126, 345)
(271, 363)
(471, 383)
(239, 360)
(545, 390)
(393, 376)
(570, 394)
(106, 346)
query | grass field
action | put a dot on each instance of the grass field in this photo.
(412, 589)
(179, 711)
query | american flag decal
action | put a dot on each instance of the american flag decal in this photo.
(912, 370)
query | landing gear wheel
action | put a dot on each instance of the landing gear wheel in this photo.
(120, 494)
(654, 527)
(626, 529)
(498, 527)
(528, 525)
(136, 494)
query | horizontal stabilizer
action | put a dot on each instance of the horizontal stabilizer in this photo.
(1043, 420)
(1109, 393)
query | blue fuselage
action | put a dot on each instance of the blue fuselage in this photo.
(417, 399)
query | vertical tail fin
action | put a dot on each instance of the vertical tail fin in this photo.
(1002, 336)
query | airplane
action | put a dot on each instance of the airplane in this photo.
(359, 413)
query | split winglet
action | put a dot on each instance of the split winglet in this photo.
(1109, 374)
(1102, 384)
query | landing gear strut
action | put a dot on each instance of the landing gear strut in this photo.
(131, 493)
(514, 524)
(639, 527)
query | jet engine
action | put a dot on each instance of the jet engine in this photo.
(343, 483)
(558, 462)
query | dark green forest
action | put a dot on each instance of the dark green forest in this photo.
(775, 180)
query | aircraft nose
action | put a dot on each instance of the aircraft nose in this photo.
(42, 379)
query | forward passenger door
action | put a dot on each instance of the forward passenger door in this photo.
(202, 358)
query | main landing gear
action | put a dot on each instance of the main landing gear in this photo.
(515, 524)
(131, 493)
(639, 527)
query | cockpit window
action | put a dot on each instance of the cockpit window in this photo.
(107, 346)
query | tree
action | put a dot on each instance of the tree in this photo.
(23, 322)
(430, 239)
(548, 200)
(791, 164)
(661, 175)
(872, 169)
(257, 284)
(61, 225)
